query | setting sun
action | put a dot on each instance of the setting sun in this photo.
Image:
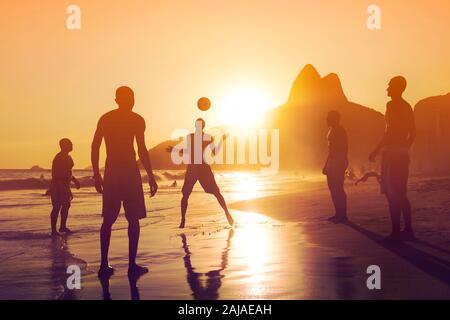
(244, 106)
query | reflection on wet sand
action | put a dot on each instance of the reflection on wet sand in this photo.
(60, 260)
(261, 258)
(254, 245)
(132, 280)
(209, 291)
(104, 281)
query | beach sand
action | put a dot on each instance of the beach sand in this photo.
(411, 270)
(281, 248)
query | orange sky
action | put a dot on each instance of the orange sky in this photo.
(56, 83)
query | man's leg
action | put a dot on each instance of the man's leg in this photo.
(405, 205)
(335, 181)
(111, 206)
(395, 211)
(223, 204)
(330, 184)
(341, 195)
(190, 179)
(406, 209)
(64, 214)
(54, 217)
(184, 205)
(408, 232)
(105, 238)
(134, 230)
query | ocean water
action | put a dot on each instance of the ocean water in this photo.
(33, 265)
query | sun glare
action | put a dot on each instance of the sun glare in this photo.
(244, 107)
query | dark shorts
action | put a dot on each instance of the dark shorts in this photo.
(123, 186)
(60, 193)
(336, 178)
(394, 172)
(203, 174)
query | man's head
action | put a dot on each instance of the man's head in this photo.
(125, 98)
(396, 87)
(65, 145)
(333, 118)
(199, 124)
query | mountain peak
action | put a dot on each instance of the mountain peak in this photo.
(309, 71)
(332, 87)
(332, 77)
(305, 85)
(309, 87)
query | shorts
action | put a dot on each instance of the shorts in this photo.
(123, 186)
(60, 193)
(394, 172)
(203, 174)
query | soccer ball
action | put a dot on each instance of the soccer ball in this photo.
(204, 104)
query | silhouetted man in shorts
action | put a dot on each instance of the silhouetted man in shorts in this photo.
(336, 166)
(199, 170)
(60, 192)
(122, 182)
(397, 140)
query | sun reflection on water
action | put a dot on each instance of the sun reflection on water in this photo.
(247, 185)
(254, 247)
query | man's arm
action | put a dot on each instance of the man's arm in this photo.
(412, 131)
(171, 149)
(215, 147)
(375, 152)
(380, 145)
(95, 157)
(77, 183)
(325, 166)
(145, 160)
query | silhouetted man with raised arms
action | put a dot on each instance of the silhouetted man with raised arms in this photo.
(397, 140)
(336, 166)
(199, 170)
(122, 182)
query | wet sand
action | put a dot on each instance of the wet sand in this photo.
(281, 248)
(417, 269)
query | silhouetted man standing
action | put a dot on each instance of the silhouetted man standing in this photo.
(60, 186)
(336, 166)
(122, 182)
(398, 138)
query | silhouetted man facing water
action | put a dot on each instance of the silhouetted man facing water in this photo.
(122, 182)
(336, 166)
(397, 140)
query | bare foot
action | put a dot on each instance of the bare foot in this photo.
(65, 230)
(105, 271)
(230, 220)
(56, 234)
(136, 270)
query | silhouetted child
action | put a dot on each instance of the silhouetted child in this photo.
(60, 186)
